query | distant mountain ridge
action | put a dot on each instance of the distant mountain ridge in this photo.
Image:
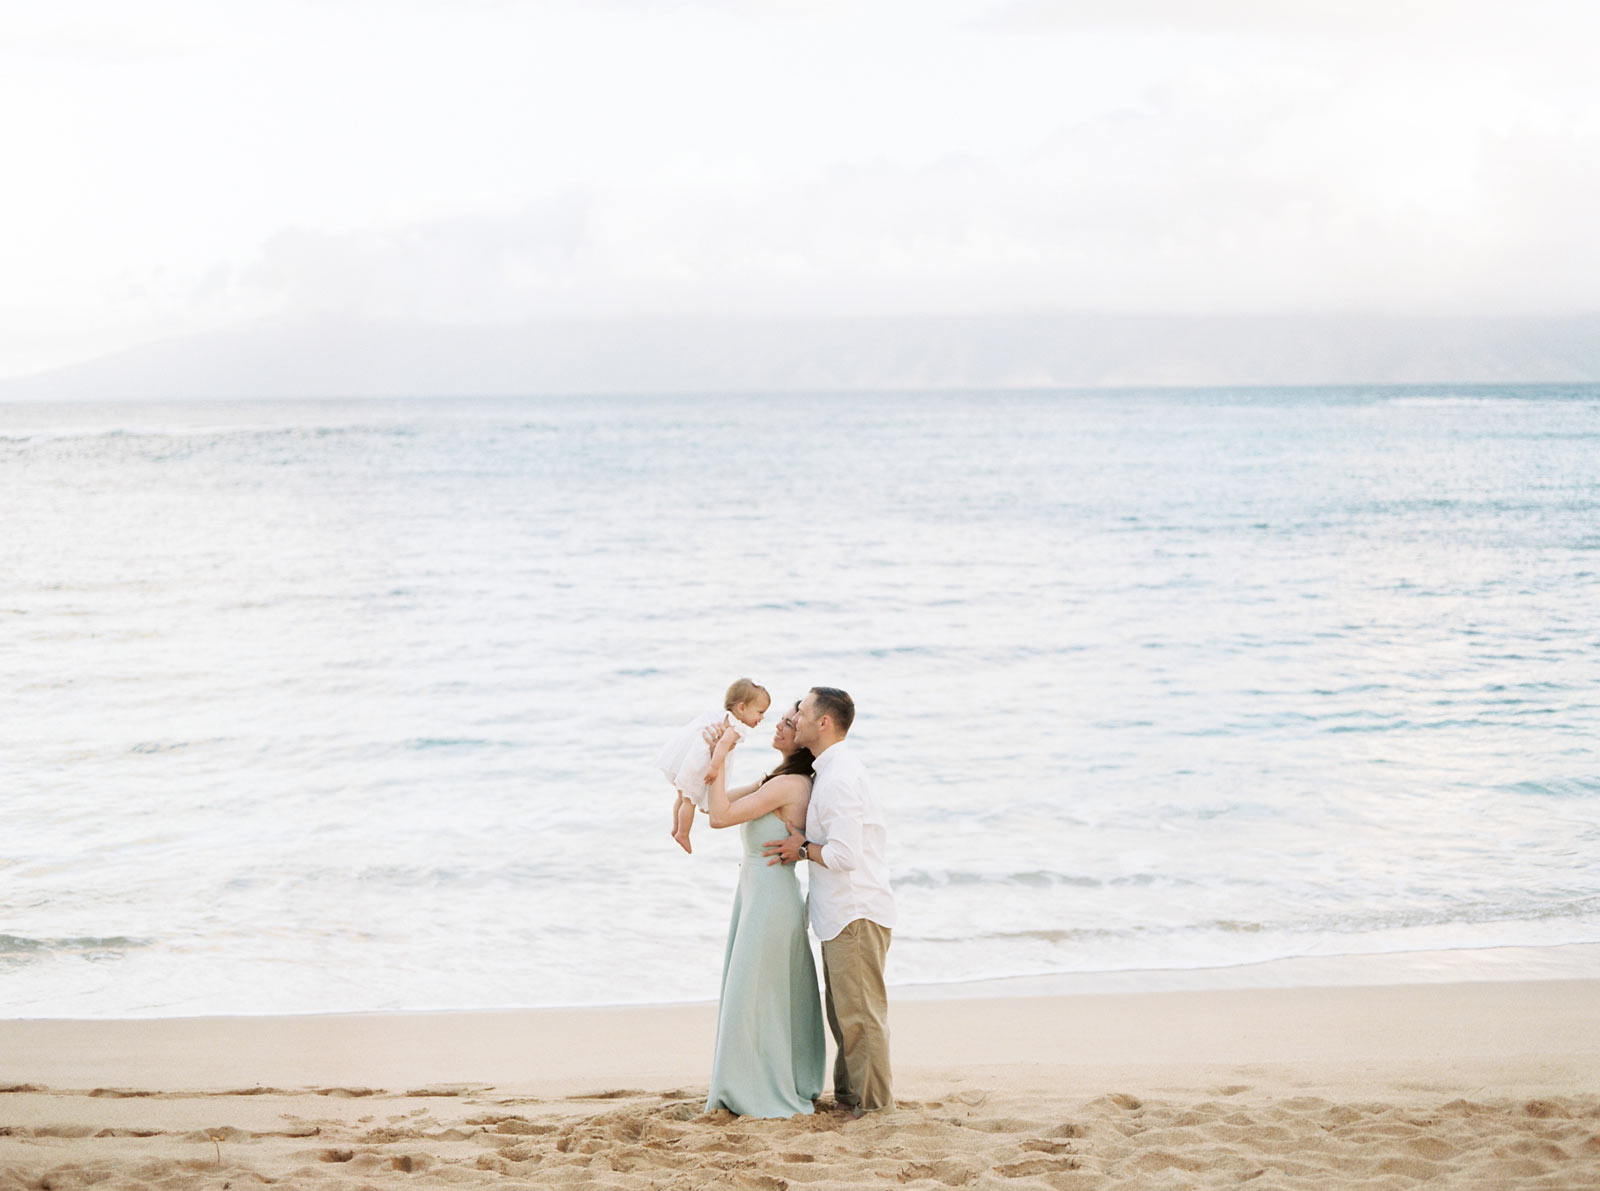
(354, 358)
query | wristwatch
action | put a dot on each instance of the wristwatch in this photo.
(804, 848)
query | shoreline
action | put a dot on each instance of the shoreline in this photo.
(1456, 965)
(1478, 1083)
(1461, 965)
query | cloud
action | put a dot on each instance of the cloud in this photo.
(1305, 193)
(1320, 18)
(195, 165)
(486, 266)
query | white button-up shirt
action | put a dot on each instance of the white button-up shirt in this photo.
(853, 879)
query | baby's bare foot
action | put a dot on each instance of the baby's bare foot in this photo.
(683, 842)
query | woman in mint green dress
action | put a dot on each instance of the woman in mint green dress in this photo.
(769, 1057)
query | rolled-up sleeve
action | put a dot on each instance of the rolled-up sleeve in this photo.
(841, 822)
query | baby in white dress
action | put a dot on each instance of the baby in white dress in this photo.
(687, 758)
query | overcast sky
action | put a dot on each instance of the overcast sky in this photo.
(174, 167)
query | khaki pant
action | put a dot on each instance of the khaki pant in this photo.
(858, 1014)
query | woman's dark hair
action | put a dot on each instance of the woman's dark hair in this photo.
(798, 761)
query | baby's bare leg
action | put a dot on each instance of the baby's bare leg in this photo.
(682, 820)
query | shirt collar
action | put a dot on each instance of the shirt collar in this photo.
(828, 756)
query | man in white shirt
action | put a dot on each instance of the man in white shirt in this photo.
(850, 904)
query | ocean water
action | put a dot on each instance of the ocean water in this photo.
(351, 705)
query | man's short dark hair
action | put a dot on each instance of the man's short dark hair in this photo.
(831, 701)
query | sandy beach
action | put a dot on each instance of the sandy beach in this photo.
(1438, 1085)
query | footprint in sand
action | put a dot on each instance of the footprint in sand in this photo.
(1120, 1100)
(1034, 1167)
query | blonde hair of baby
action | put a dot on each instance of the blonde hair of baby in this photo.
(743, 690)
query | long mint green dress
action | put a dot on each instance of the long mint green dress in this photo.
(768, 1060)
